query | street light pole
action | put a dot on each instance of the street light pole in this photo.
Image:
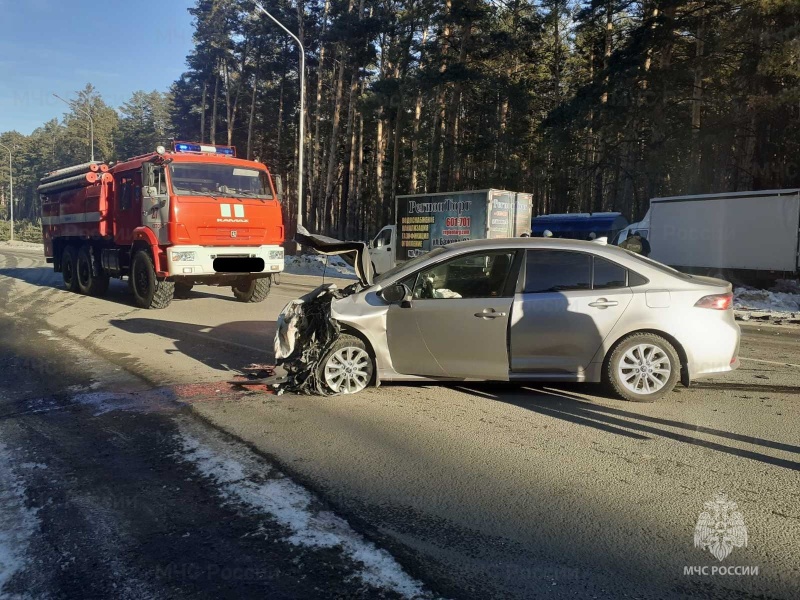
(10, 188)
(302, 128)
(91, 121)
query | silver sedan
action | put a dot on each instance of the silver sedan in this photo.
(532, 309)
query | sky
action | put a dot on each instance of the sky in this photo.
(58, 46)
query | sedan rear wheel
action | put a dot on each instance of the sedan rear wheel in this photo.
(347, 368)
(643, 368)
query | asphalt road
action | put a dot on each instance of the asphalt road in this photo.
(133, 467)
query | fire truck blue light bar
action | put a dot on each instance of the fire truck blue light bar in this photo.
(191, 147)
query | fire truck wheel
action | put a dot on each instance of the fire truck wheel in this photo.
(252, 290)
(148, 291)
(89, 283)
(68, 268)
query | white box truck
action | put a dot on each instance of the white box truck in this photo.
(425, 221)
(743, 236)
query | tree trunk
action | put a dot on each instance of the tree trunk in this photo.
(609, 38)
(251, 124)
(315, 159)
(344, 207)
(434, 157)
(379, 156)
(203, 113)
(213, 131)
(333, 154)
(359, 169)
(398, 129)
(412, 187)
(230, 107)
(446, 175)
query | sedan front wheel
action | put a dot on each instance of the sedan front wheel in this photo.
(643, 368)
(347, 368)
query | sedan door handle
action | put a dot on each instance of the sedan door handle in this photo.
(603, 303)
(489, 313)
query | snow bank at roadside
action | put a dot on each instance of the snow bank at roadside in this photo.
(315, 264)
(780, 302)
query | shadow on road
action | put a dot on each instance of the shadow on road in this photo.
(41, 276)
(231, 346)
(563, 404)
(45, 277)
(118, 291)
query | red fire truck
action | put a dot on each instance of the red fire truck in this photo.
(167, 221)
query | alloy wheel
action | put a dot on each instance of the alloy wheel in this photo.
(348, 370)
(644, 369)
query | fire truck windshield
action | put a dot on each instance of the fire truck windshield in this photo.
(205, 179)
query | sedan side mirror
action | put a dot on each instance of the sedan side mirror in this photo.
(396, 293)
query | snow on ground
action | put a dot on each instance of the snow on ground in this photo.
(22, 245)
(241, 479)
(17, 522)
(782, 301)
(316, 264)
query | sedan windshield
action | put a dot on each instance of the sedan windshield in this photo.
(190, 179)
(409, 264)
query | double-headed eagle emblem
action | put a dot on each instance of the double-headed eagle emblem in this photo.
(720, 527)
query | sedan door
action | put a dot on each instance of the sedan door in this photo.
(456, 324)
(569, 303)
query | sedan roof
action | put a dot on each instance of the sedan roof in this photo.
(648, 267)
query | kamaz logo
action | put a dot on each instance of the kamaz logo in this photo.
(234, 233)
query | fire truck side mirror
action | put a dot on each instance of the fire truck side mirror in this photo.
(279, 186)
(148, 175)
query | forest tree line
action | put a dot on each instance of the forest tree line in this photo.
(591, 105)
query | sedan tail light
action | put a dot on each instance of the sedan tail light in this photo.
(716, 301)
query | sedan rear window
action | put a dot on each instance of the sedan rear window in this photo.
(557, 271)
(607, 274)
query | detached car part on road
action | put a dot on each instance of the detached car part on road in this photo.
(525, 309)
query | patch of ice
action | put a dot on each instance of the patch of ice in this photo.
(241, 479)
(316, 264)
(17, 522)
(159, 399)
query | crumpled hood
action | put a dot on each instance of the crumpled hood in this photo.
(354, 254)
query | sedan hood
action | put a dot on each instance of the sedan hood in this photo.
(354, 254)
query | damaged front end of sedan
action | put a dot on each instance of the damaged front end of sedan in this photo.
(307, 333)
